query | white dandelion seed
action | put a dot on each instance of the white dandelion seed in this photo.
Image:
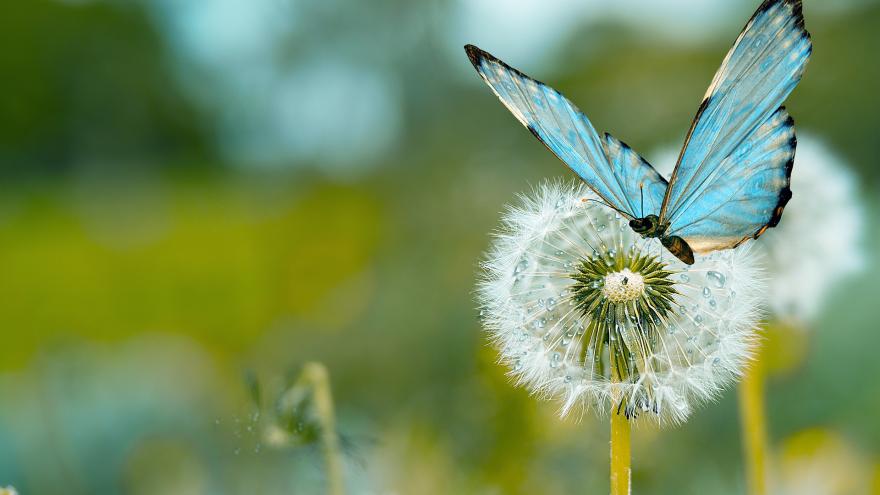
(585, 310)
(818, 243)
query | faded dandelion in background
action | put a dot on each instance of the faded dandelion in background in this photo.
(586, 311)
(815, 247)
(8, 491)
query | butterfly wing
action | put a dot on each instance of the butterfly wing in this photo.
(736, 160)
(564, 129)
(748, 195)
(642, 182)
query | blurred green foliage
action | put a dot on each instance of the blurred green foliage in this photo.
(143, 269)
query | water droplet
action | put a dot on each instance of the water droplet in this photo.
(601, 227)
(551, 302)
(560, 203)
(706, 292)
(698, 318)
(567, 378)
(717, 279)
(684, 278)
(560, 252)
(713, 303)
(520, 267)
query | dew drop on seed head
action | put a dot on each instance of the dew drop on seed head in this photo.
(684, 278)
(716, 279)
(520, 267)
(706, 292)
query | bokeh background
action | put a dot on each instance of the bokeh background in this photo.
(197, 196)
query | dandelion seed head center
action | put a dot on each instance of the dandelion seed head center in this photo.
(623, 286)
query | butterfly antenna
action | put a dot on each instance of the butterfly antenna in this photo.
(618, 210)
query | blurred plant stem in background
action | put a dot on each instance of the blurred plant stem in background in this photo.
(620, 455)
(314, 376)
(782, 348)
(754, 427)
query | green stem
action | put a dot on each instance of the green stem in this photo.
(753, 422)
(620, 454)
(316, 375)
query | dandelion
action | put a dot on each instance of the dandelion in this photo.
(587, 311)
(8, 491)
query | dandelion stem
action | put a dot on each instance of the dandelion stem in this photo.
(620, 454)
(753, 422)
(316, 375)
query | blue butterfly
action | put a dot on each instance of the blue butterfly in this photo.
(732, 178)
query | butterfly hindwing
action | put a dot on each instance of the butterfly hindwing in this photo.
(558, 123)
(644, 186)
(740, 140)
(749, 192)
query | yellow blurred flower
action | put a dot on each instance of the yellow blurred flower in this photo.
(818, 461)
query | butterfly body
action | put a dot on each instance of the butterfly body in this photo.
(731, 181)
(650, 226)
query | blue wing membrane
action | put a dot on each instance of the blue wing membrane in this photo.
(643, 183)
(733, 134)
(564, 129)
(748, 193)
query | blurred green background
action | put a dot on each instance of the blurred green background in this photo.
(192, 191)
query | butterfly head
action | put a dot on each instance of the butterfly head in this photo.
(648, 226)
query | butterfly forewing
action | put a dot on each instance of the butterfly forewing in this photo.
(733, 164)
(747, 192)
(558, 123)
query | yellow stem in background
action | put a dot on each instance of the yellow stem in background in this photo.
(753, 420)
(316, 375)
(620, 454)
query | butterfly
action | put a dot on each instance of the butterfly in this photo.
(732, 178)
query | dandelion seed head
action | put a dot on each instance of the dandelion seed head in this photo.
(586, 311)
